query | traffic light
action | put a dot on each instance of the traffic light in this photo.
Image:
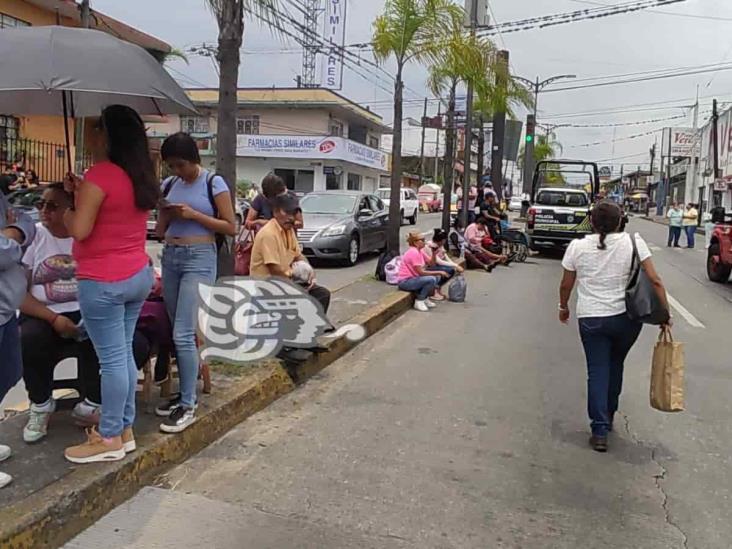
(530, 128)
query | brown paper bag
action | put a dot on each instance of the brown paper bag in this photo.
(667, 374)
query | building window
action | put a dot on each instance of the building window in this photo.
(373, 142)
(332, 182)
(194, 124)
(247, 125)
(9, 127)
(9, 22)
(336, 128)
(354, 182)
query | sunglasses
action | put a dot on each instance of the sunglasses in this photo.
(50, 205)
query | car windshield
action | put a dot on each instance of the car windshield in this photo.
(561, 198)
(328, 204)
(384, 194)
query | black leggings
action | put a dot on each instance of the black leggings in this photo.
(43, 349)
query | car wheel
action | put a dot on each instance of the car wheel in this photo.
(716, 270)
(413, 219)
(354, 250)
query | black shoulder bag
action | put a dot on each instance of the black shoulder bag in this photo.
(641, 300)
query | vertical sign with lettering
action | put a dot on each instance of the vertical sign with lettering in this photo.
(335, 36)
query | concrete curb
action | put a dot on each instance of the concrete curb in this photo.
(58, 512)
(699, 230)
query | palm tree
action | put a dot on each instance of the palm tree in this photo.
(546, 148)
(408, 30)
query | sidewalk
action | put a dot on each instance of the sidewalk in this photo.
(50, 500)
(662, 220)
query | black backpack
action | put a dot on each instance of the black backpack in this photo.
(224, 256)
(384, 258)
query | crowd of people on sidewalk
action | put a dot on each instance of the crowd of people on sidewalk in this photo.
(80, 283)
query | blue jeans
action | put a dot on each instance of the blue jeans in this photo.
(11, 365)
(110, 311)
(422, 286)
(690, 232)
(607, 341)
(184, 268)
(674, 233)
(445, 269)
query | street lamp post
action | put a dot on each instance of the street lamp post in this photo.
(535, 86)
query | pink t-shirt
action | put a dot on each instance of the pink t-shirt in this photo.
(475, 234)
(412, 259)
(115, 249)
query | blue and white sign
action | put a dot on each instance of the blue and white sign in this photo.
(335, 37)
(311, 148)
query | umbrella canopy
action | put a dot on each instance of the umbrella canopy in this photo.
(39, 65)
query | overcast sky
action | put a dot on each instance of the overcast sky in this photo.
(689, 34)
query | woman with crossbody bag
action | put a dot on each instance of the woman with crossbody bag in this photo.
(604, 266)
(195, 209)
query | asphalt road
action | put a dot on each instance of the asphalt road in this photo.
(329, 275)
(466, 428)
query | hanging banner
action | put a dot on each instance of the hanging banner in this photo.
(335, 37)
(684, 142)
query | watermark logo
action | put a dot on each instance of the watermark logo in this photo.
(244, 319)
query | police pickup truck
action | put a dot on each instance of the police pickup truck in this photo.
(560, 214)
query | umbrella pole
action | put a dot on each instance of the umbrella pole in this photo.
(66, 130)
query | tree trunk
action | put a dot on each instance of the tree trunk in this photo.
(231, 33)
(449, 166)
(393, 243)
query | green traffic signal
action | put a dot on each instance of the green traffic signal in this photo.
(529, 138)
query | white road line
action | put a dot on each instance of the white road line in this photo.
(683, 311)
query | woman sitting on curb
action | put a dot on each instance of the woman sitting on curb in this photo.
(416, 277)
(437, 259)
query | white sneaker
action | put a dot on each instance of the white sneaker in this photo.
(4, 452)
(86, 413)
(37, 426)
(431, 304)
(421, 306)
(5, 479)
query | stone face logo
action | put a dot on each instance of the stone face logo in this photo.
(243, 319)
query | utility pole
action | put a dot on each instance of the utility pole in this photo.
(468, 156)
(437, 143)
(716, 195)
(448, 167)
(499, 128)
(481, 152)
(421, 153)
(85, 19)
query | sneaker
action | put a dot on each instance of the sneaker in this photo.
(164, 410)
(421, 306)
(128, 440)
(37, 426)
(438, 297)
(95, 449)
(178, 420)
(5, 452)
(86, 413)
(5, 479)
(430, 304)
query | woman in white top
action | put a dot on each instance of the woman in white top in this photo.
(600, 264)
(437, 259)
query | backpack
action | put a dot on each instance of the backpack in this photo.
(224, 259)
(384, 258)
(458, 290)
(391, 270)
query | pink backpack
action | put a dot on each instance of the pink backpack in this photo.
(392, 270)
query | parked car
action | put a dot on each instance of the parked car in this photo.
(514, 204)
(409, 203)
(342, 225)
(25, 200)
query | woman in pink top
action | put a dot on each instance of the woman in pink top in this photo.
(108, 225)
(415, 277)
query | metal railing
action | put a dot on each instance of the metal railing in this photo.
(47, 160)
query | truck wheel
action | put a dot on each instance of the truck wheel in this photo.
(413, 219)
(716, 270)
(401, 218)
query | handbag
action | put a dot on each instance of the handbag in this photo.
(243, 253)
(667, 374)
(641, 300)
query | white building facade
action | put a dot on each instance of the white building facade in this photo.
(314, 139)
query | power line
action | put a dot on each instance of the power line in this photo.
(689, 15)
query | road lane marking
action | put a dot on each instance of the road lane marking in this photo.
(683, 311)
